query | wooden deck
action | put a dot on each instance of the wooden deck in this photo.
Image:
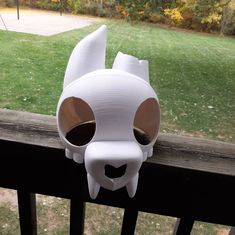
(191, 178)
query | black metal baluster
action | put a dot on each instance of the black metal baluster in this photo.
(77, 216)
(183, 226)
(27, 212)
(129, 221)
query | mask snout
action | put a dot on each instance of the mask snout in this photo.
(113, 165)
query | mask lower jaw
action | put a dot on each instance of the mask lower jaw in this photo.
(94, 186)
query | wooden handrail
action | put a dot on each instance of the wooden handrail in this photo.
(170, 149)
(187, 177)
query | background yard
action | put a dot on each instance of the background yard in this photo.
(193, 75)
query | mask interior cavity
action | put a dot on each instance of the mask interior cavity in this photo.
(147, 121)
(77, 121)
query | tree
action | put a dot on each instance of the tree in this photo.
(228, 18)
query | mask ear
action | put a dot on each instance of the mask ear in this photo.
(132, 65)
(87, 56)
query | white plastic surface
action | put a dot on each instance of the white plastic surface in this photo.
(113, 102)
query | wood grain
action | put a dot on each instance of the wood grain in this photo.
(172, 150)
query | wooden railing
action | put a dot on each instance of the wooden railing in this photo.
(188, 178)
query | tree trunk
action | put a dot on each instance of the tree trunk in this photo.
(225, 17)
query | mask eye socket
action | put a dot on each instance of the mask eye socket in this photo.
(147, 121)
(76, 121)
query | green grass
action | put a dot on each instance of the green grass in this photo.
(53, 219)
(8, 220)
(193, 75)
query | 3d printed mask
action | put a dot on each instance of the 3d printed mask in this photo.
(107, 118)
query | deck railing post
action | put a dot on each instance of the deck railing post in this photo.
(129, 221)
(27, 212)
(183, 226)
(77, 216)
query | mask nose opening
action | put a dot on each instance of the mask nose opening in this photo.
(113, 172)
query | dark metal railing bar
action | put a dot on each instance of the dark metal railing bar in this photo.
(77, 216)
(183, 226)
(27, 212)
(129, 221)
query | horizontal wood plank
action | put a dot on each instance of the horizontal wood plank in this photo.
(170, 149)
(29, 128)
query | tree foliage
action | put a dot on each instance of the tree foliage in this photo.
(203, 15)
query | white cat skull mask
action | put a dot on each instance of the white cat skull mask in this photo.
(107, 118)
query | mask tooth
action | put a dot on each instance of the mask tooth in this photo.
(68, 153)
(131, 187)
(150, 152)
(145, 155)
(93, 186)
(77, 158)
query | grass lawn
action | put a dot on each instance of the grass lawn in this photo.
(53, 219)
(194, 76)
